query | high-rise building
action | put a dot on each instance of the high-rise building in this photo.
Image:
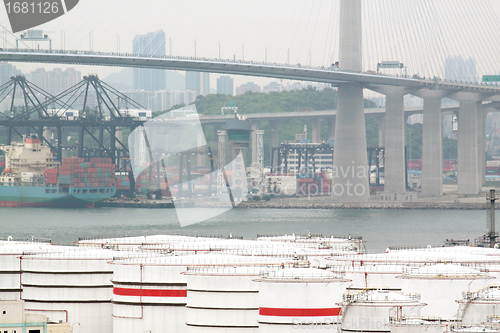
(55, 81)
(152, 43)
(249, 86)
(141, 96)
(165, 99)
(272, 87)
(193, 81)
(6, 71)
(460, 69)
(225, 85)
(198, 82)
(205, 84)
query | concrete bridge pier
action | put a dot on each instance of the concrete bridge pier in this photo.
(394, 142)
(482, 145)
(381, 131)
(316, 130)
(350, 164)
(201, 160)
(216, 127)
(393, 129)
(432, 142)
(255, 128)
(331, 128)
(432, 149)
(469, 155)
(274, 144)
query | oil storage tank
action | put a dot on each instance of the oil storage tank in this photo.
(371, 310)
(70, 286)
(11, 253)
(222, 299)
(441, 285)
(150, 294)
(480, 306)
(299, 298)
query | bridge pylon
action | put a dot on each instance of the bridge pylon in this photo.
(350, 164)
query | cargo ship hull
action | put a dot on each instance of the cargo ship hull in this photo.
(40, 196)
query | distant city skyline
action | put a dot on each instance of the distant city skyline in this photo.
(152, 43)
(295, 31)
(225, 85)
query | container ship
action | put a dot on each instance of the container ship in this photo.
(32, 177)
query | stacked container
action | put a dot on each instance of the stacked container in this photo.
(65, 176)
(96, 172)
(122, 181)
(50, 176)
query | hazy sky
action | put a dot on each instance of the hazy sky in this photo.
(420, 33)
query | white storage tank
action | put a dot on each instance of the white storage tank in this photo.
(150, 294)
(440, 286)
(71, 286)
(299, 298)
(370, 276)
(479, 306)
(488, 327)
(371, 310)
(222, 299)
(418, 325)
(10, 272)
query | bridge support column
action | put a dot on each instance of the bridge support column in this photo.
(216, 127)
(331, 129)
(350, 164)
(255, 127)
(394, 142)
(432, 150)
(381, 131)
(468, 150)
(201, 147)
(274, 144)
(316, 130)
(481, 144)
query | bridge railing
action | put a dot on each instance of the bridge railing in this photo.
(426, 81)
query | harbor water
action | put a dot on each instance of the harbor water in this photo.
(380, 228)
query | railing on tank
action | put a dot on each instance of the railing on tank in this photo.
(380, 294)
(441, 273)
(485, 293)
(254, 270)
(31, 239)
(306, 275)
